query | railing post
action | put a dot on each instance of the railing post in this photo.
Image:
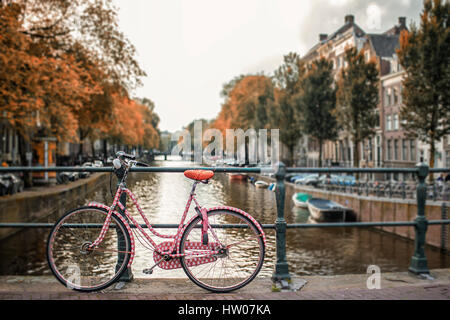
(419, 262)
(281, 267)
(127, 276)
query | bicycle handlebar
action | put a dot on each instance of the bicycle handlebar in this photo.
(121, 154)
(120, 160)
(142, 164)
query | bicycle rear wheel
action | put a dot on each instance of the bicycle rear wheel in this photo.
(74, 264)
(241, 252)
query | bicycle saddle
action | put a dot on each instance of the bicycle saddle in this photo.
(199, 175)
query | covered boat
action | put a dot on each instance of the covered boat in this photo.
(323, 210)
(300, 199)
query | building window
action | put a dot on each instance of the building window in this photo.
(388, 97)
(395, 149)
(389, 147)
(404, 150)
(378, 151)
(395, 121)
(412, 150)
(395, 94)
(388, 123)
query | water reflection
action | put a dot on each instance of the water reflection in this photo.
(163, 197)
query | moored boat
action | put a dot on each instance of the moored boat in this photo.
(261, 184)
(323, 210)
(300, 199)
(237, 176)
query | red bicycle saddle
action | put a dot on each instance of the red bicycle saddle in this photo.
(199, 175)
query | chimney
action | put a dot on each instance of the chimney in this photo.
(323, 37)
(402, 22)
(350, 19)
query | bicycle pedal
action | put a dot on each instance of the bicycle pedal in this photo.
(148, 271)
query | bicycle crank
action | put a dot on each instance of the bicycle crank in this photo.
(150, 270)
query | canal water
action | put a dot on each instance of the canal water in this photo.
(163, 196)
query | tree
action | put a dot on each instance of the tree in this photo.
(133, 122)
(318, 102)
(65, 25)
(247, 104)
(357, 99)
(62, 65)
(248, 101)
(424, 54)
(286, 114)
(150, 121)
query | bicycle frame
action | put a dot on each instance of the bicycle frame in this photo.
(173, 251)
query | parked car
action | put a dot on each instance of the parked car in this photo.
(311, 179)
(83, 175)
(296, 176)
(10, 184)
(74, 175)
(347, 181)
(63, 177)
(98, 163)
(329, 179)
(109, 161)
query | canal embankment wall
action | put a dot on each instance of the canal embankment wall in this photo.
(39, 203)
(376, 209)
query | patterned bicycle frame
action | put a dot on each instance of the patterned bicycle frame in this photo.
(174, 250)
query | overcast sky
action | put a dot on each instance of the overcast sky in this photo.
(189, 48)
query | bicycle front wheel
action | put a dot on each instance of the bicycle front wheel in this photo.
(241, 251)
(72, 261)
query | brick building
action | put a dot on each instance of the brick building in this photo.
(390, 146)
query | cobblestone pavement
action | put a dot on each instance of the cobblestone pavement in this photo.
(416, 292)
(394, 286)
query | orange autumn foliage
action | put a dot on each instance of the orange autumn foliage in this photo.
(247, 104)
(39, 92)
(132, 123)
(68, 84)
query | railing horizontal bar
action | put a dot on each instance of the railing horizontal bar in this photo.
(265, 226)
(352, 224)
(134, 169)
(99, 225)
(434, 222)
(219, 169)
(56, 169)
(352, 170)
(439, 170)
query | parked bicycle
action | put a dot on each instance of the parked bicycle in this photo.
(216, 257)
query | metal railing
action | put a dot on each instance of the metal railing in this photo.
(418, 265)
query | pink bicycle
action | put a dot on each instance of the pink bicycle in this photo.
(216, 257)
